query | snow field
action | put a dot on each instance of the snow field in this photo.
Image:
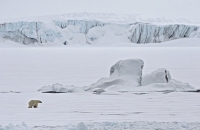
(62, 109)
(25, 70)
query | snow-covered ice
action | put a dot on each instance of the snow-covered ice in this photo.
(93, 32)
(56, 88)
(68, 29)
(57, 53)
(72, 108)
(158, 76)
(26, 70)
(124, 75)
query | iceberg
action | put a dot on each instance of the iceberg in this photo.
(126, 76)
(55, 88)
(81, 126)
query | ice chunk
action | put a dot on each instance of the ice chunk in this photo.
(160, 80)
(158, 76)
(181, 86)
(172, 86)
(59, 88)
(125, 74)
(23, 126)
(55, 88)
(99, 91)
(81, 126)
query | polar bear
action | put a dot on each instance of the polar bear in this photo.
(34, 103)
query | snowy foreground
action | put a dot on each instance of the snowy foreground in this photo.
(111, 126)
(23, 71)
(65, 109)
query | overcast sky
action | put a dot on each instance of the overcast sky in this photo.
(146, 8)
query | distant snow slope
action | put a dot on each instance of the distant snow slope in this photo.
(186, 9)
(96, 29)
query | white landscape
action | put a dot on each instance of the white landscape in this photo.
(134, 65)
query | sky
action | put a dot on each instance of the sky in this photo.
(189, 9)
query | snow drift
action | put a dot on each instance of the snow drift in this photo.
(110, 126)
(22, 126)
(70, 32)
(59, 88)
(55, 88)
(126, 75)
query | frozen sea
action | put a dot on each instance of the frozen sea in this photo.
(25, 70)
(63, 109)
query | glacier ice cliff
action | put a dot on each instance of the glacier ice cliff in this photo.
(148, 33)
(94, 32)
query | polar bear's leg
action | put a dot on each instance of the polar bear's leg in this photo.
(30, 104)
(36, 105)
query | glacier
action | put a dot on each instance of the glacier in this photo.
(92, 32)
